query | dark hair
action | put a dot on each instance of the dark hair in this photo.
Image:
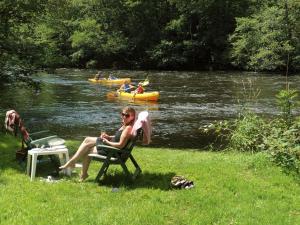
(131, 110)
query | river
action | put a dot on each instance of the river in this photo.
(71, 107)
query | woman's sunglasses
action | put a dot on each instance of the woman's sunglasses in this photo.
(125, 114)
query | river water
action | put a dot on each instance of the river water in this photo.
(71, 107)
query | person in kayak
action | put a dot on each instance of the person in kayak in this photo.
(119, 140)
(99, 76)
(112, 77)
(126, 87)
(139, 90)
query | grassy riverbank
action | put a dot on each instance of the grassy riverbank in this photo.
(230, 188)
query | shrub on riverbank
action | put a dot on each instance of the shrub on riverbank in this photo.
(230, 188)
(252, 133)
(280, 137)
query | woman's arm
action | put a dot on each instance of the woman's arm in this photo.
(132, 87)
(125, 136)
(106, 136)
(121, 88)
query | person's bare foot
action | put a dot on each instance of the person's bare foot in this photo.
(83, 177)
(67, 165)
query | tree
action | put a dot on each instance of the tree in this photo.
(196, 34)
(269, 39)
(53, 31)
(17, 48)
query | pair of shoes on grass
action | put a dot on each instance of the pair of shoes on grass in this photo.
(181, 182)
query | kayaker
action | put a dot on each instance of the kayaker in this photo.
(98, 76)
(126, 87)
(140, 89)
(112, 77)
(119, 140)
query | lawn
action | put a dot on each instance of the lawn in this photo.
(230, 188)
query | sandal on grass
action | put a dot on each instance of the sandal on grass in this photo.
(181, 182)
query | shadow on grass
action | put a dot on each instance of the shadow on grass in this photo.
(44, 167)
(9, 145)
(145, 180)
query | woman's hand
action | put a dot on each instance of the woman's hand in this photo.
(104, 140)
(104, 135)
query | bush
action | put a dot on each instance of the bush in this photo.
(248, 133)
(286, 102)
(283, 144)
(17, 72)
(216, 134)
(251, 133)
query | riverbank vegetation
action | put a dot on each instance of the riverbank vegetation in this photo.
(279, 137)
(230, 188)
(171, 34)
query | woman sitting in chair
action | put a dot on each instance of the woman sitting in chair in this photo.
(119, 140)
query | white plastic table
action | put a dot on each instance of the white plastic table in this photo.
(62, 151)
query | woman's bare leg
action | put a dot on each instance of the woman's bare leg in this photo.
(83, 150)
(85, 165)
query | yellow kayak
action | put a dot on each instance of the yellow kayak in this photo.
(106, 81)
(147, 96)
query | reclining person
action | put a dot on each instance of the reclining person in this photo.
(119, 140)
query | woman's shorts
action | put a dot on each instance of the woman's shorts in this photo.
(100, 151)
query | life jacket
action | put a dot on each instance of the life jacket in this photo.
(140, 90)
(127, 88)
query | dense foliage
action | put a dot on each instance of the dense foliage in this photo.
(269, 39)
(18, 48)
(157, 34)
(280, 137)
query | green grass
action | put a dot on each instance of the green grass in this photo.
(231, 188)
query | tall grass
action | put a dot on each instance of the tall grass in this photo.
(230, 188)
